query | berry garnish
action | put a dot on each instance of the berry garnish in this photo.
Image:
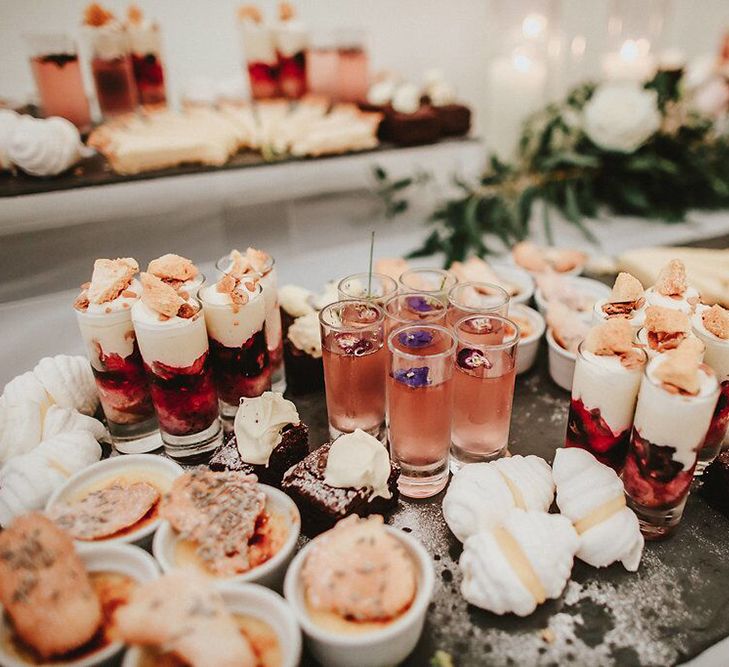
(415, 339)
(471, 359)
(352, 344)
(419, 304)
(413, 377)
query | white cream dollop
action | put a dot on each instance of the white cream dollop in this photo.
(295, 300)
(381, 93)
(258, 425)
(305, 335)
(406, 98)
(441, 94)
(358, 460)
(44, 147)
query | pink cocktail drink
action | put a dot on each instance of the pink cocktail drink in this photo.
(413, 308)
(354, 366)
(352, 67)
(485, 372)
(420, 392)
(432, 282)
(475, 298)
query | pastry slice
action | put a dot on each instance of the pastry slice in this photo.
(591, 495)
(517, 565)
(482, 494)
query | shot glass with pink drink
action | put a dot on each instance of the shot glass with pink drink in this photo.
(355, 360)
(375, 286)
(476, 298)
(413, 308)
(483, 386)
(420, 392)
(433, 282)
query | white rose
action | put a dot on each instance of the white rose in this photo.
(621, 116)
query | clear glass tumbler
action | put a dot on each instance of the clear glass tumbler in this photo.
(413, 308)
(476, 298)
(375, 286)
(434, 282)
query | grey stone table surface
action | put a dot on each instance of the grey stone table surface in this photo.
(673, 608)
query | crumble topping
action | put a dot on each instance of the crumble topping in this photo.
(96, 16)
(250, 13)
(666, 327)
(253, 261)
(672, 279)
(172, 269)
(626, 296)
(163, 299)
(716, 321)
(679, 373)
(615, 338)
(230, 284)
(109, 279)
(286, 11)
(135, 16)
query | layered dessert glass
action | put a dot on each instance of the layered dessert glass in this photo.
(420, 390)
(413, 308)
(322, 64)
(178, 272)
(476, 298)
(353, 77)
(57, 73)
(608, 374)
(355, 359)
(672, 289)
(433, 282)
(375, 286)
(235, 316)
(711, 326)
(146, 50)
(260, 53)
(291, 39)
(173, 342)
(675, 407)
(626, 301)
(483, 388)
(104, 319)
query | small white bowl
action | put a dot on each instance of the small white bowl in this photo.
(271, 573)
(518, 277)
(528, 347)
(388, 646)
(156, 470)
(561, 363)
(254, 600)
(116, 558)
(589, 286)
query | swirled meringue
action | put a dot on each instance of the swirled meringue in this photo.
(61, 420)
(22, 408)
(481, 494)
(69, 381)
(591, 495)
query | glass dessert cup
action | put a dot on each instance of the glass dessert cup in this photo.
(147, 64)
(322, 64)
(177, 360)
(355, 359)
(260, 60)
(483, 388)
(602, 406)
(413, 308)
(57, 73)
(238, 351)
(476, 298)
(112, 70)
(378, 287)
(434, 282)
(667, 432)
(420, 389)
(353, 77)
(292, 73)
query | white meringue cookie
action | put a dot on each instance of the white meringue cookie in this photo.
(44, 147)
(8, 121)
(515, 566)
(27, 481)
(22, 407)
(60, 420)
(592, 496)
(69, 381)
(481, 494)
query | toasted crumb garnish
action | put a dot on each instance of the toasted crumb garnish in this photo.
(672, 279)
(680, 370)
(96, 16)
(172, 268)
(226, 284)
(286, 11)
(135, 16)
(229, 284)
(82, 302)
(160, 297)
(716, 321)
(253, 261)
(611, 338)
(110, 278)
(250, 13)
(666, 320)
(626, 289)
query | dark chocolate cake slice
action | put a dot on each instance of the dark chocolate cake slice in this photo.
(322, 505)
(294, 446)
(715, 487)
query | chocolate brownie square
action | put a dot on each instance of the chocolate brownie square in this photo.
(294, 446)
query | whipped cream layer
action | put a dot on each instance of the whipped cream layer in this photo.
(602, 382)
(295, 300)
(291, 38)
(682, 303)
(258, 425)
(176, 342)
(675, 420)
(145, 39)
(305, 335)
(716, 354)
(231, 326)
(258, 44)
(108, 41)
(124, 301)
(636, 319)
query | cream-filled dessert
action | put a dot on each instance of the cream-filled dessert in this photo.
(626, 301)
(672, 289)
(303, 354)
(291, 39)
(358, 577)
(173, 342)
(711, 326)
(146, 48)
(474, 269)
(663, 329)
(103, 310)
(235, 315)
(260, 53)
(676, 403)
(605, 388)
(178, 272)
(537, 259)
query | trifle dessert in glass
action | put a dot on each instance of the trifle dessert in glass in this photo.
(376, 286)
(476, 298)
(711, 326)
(259, 263)
(420, 391)
(57, 73)
(355, 359)
(676, 403)
(434, 282)
(235, 316)
(178, 272)
(483, 388)
(103, 311)
(672, 289)
(353, 75)
(291, 38)
(146, 48)
(605, 386)
(626, 301)
(663, 329)
(260, 53)
(111, 62)
(173, 341)
(413, 308)
(302, 352)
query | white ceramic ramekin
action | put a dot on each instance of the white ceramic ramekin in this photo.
(589, 286)
(517, 277)
(561, 363)
(529, 345)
